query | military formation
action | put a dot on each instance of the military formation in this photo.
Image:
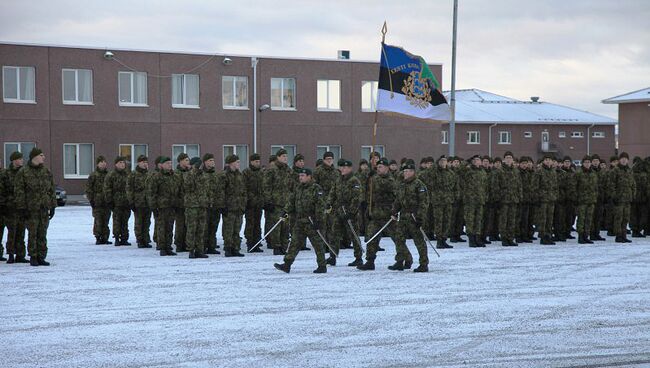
(486, 199)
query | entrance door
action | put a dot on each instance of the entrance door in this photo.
(545, 139)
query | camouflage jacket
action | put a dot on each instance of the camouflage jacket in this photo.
(493, 191)
(307, 200)
(136, 188)
(443, 188)
(546, 185)
(181, 174)
(411, 197)
(4, 192)
(602, 183)
(278, 183)
(509, 187)
(383, 189)
(34, 188)
(254, 187)
(586, 186)
(474, 185)
(326, 176)
(566, 185)
(196, 189)
(346, 193)
(115, 188)
(95, 188)
(622, 184)
(235, 191)
(164, 190)
(9, 181)
(216, 186)
(641, 181)
(527, 186)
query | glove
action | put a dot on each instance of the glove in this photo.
(284, 214)
(52, 210)
(269, 207)
(224, 211)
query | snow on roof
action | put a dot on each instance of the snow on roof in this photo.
(477, 106)
(641, 95)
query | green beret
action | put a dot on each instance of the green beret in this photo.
(340, 162)
(319, 162)
(613, 158)
(508, 153)
(164, 159)
(182, 157)
(408, 166)
(624, 154)
(298, 157)
(328, 154)
(231, 158)
(549, 156)
(273, 158)
(254, 157)
(305, 171)
(196, 162)
(345, 163)
(35, 152)
(142, 158)
(595, 157)
(383, 161)
(567, 158)
(281, 152)
(15, 156)
(120, 158)
(207, 156)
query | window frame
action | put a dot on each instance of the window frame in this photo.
(561, 134)
(598, 134)
(233, 85)
(577, 134)
(373, 149)
(132, 82)
(76, 87)
(243, 158)
(133, 157)
(295, 95)
(77, 169)
(444, 139)
(184, 105)
(20, 149)
(17, 100)
(509, 135)
(528, 134)
(184, 145)
(478, 136)
(328, 108)
(374, 96)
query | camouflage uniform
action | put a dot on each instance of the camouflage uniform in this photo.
(443, 192)
(163, 195)
(3, 210)
(383, 197)
(546, 184)
(235, 194)
(457, 210)
(99, 204)
(325, 176)
(491, 210)
(35, 196)
(136, 189)
(474, 197)
(412, 202)
(587, 195)
(344, 198)
(214, 211)
(362, 217)
(116, 198)
(566, 195)
(623, 188)
(13, 220)
(526, 207)
(181, 226)
(639, 209)
(197, 198)
(255, 202)
(508, 182)
(278, 183)
(426, 176)
(599, 208)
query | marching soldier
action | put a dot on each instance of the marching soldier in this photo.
(623, 189)
(98, 202)
(255, 202)
(474, 197)
(344, 200)
(182, 170)
(510, 193)
(325, 176)
(305, 205)
(116, 198)
(14, 221)
(546, 184)
(278, 184)
(443, 191)
(136, 189)
(235, 195)
(457, 214)
(587, 191)
(363, 174)
(35, 197)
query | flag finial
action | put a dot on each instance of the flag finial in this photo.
(384, 29)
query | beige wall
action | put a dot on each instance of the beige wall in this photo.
(634, 128)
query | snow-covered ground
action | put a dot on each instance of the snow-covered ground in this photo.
(104, 306)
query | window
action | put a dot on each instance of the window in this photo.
(329, 95)
(192, 150)
(505, 137)
(369, 96)
(241, 150)
(185, 91)
(444, 137)
(283, 93)
(234, 91)
(132, 151)
(18, 84)
(598, 135)
(78, 160)
(474, 137)
(577, 135)
(528, 134)
(77, 87)
(22, 147)
(366, 150)
(320, 151)
(561, 134)
(132, 88)
(291, 151)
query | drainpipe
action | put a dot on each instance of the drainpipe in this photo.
(589, 137)
(254, 66)
(490, 139)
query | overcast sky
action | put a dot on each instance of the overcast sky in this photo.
(570, 52)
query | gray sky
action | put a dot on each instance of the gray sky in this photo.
(570, 52)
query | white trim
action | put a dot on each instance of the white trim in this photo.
(478, 136)
(77, 169)
(132, 75)
(577, 134)
(561, 134)
(76, 87)
(374, 88)
(444, 138)
(295, 95)
(234, 94)
(283, 109)
(528, 135)
(184, 104)
(598, 135)
(509, 133)
(18, 99)
(177, 106)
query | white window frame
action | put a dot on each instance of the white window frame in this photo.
(243, 157)
(328, 147)
(284, 146)
(561, 134)
(76, 87)
(185, 105)
(20, 149)
(597, 134)
(577, 134)
(184, 145)
(508, 136)
(134, 158)
(18, 99)
(476, 133)
(132, 79)
(374, 88)
(377, 148)
(528, 134)
(234, 93)
(329, 102)
(444, 137)
(77, 169)
(295, 95)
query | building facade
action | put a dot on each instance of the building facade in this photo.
(633, 122)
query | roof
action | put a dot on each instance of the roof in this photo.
(476, 106)
(641, 95)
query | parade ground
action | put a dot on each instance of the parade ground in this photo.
(566, 305)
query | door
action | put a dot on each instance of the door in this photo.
(545, 143)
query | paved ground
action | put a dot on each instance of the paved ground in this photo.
(102, 306)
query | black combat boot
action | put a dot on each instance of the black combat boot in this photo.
(368, 266)
(398, 266)
(284, 267)
(305, 247)
(191, 255)
(586, 239)
(99, 240)
(118, 242)
(107, 242)
(321, 269)
(181, 249)
(43, 262)
(408, 264)
(2, 258)
(619, 239)
(213, 251)
(597, 237)
(166, 252)
(513, 243)
(227, 252)
(505, 242)
(33, 261)
(380, 249)
(472, 241)
(442, 244)
(356, 262)
(479, 241)
(331, 260)
(422, 268)
(11, 259)
(625, 239)
(546, 240)
(147, 245)
(278, 251)
(237, 253)
(21, 259)
(637, 234)
(581, 239)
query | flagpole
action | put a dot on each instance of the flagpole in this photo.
(384, 29)
(452, 122)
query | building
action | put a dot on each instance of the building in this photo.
(77, 103)
(488, 123)
(633, 122)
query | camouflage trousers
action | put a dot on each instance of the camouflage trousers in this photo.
(299, 234)
(196, 218)
(544, 218)
(253, 228)
(181, 228)
(2, 233)
(340, 228)
(560, 219)
(473, 218)
(121, 222)
(526, 230)
(458, 218)
(211, 227)
(491, 218)
(37, 224)
(101, 215)
(639, 216)
(155, 227)
(142, 217)
(280, 236)
(406, 228)
(585, 219)
(610, 210)
(430, 222)
(15, 234)
(597, 222)
(362, 220)
(231, 229)
(508, 214)
(442, 219)
(166, 218)
(621, 219)
(373, 226)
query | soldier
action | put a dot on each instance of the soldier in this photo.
(457, 215)
(217, 207)
(3, 210)
(136, 189)
(546, 183)
(639, 209)
(254, 202)
(610, 206)
(325, 176)
(163, 193)
(509, 196)
(599, 208)
(363, 174)
(411, 205)
(98, 202)
(474, 197)
(267, 224)
(156, 169)
(117, 200)
(490, 230)
(278, 184)
(526, 207)
(426, 174)
(383, 197)
(305, 205)
(182, 170)
(35, 198)
(344, 199)
(196, 200)
(394, 168)
(443, 191)
(586, 181)
(235, 194)
(623, 188)
(298, 164)
(566, 193)
(374, 160)
(13, 220)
